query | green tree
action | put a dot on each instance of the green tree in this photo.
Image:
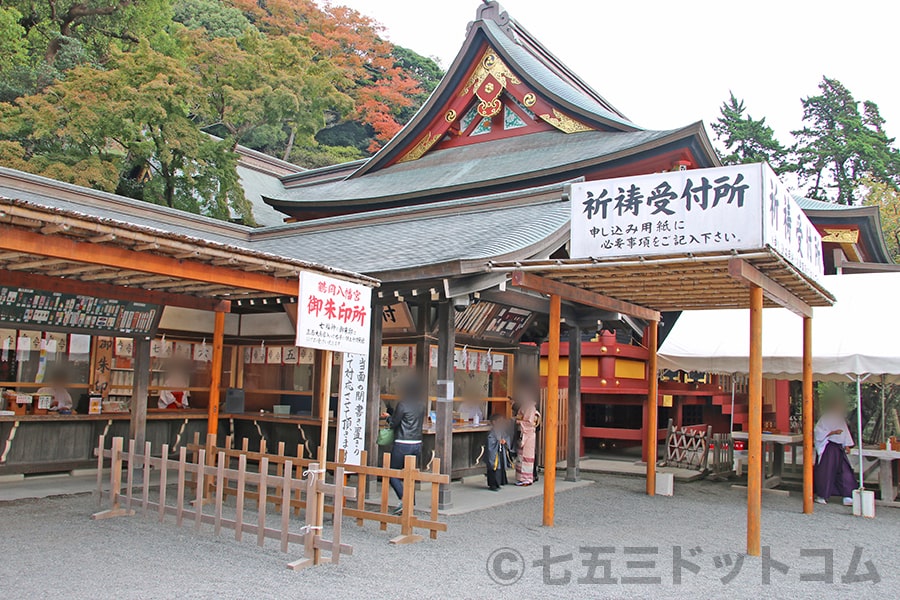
(134, 123)
(887, 199)
(841, 146)
(219, 20)
(254, 83)
(89, 27)
(745, 139)
(13, 46)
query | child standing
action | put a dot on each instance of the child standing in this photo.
(495, 456)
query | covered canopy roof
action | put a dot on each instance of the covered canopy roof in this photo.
(445, 238)
(113, 245)
(858, 335)
(676, 282)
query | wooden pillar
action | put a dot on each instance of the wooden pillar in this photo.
(754, 443)
(323, 360)
(652, 405)
(551, 412)
(809, 457)
(443, 442)
(373, 398)
(140, 391)
(573, 441)
(423, 345)
(215, 380)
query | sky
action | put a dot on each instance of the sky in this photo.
(667, 64)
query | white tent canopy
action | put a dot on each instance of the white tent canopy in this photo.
(859, 335)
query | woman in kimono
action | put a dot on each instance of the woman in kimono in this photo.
(833, 475)
(527, 418)
(495, 453)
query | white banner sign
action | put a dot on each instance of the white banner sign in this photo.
(351, 424)
(333, 314)
(742, 207)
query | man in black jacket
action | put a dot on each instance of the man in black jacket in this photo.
(407, 420)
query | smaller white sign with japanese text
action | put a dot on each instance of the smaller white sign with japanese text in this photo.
(333, 314)
(351, 425)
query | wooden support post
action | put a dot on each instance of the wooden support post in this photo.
(652, 407)
(754, 443)
(443, 443)
(808, 418)
(373, 397)
(323, 376)
(140, 390)
(215, 380)
(573, 439)
(551, 412)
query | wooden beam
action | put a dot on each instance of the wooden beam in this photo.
(578, 295)
(551, 413)
(140, 391)
(215, 379)
(573, 424)
(323, 360)
(652, 407)
(15, 239)
(747, 274)
(809, 458)
(71, 286)
(443, 434)
(754, 442)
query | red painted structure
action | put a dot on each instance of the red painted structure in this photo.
(614, 408)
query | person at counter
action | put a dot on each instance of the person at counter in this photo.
(407, 420)
(471, 410)
(496, 458)
(833, 475)
(178, 379)
(527, 418)
(62, 400)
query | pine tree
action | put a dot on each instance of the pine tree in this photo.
(840, 146)
(745, 139)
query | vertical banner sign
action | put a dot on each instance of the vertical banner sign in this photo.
(333, 314)
(743, 207)
(351, 424)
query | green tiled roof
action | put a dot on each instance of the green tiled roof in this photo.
(485, 164)
(810, 204)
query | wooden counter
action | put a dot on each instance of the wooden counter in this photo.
(57, 443)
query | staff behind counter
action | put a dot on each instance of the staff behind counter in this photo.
(62, 400)
(178, 381)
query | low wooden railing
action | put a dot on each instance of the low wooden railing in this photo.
(311, 481)
(362, 474)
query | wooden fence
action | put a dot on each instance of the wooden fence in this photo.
(362, 473)
(688, 447)
(316, 549)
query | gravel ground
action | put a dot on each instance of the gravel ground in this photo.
(51, 549)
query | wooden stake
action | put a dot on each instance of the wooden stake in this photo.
(287, 477)
(652, 407)
(220, 490)
(808, 418)
(754, 444)
(239, 503)
(323, 373)
(163, 473)
(263, 492)
(145, 496)
(551, 410)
